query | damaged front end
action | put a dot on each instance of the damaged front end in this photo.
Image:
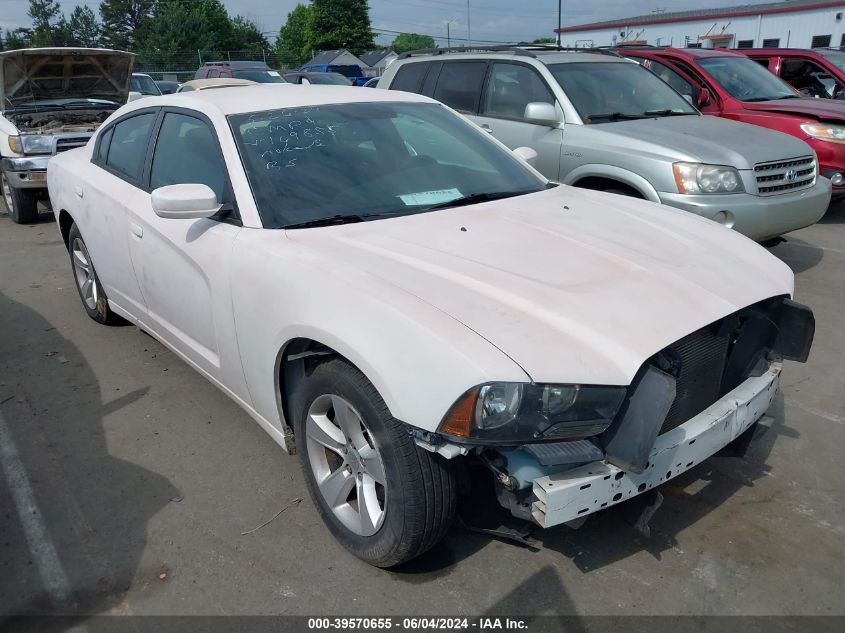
(561, 452)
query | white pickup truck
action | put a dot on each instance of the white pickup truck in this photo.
(52, 100)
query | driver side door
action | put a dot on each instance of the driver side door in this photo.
(183, 265)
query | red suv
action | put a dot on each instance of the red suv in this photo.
(732, 86)
(814, 73)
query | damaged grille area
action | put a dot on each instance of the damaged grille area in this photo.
(64, 143)
(698, 361)
(785, 175)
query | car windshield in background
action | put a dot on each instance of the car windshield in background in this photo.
(356, 161)
(261, 76)
(834, 57)
(612, 91)
(333, 79)
(143, 84)
(745, 79)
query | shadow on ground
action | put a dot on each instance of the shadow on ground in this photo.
(94, 506)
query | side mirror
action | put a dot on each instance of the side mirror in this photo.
(688, 98)
(187, 201)
(541, 113)
(133, 96)
(527, 154)
(704, 98)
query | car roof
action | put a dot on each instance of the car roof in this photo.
(199, 84)
(698, 53)
(812, 52)
(275, 96)
(543, 56)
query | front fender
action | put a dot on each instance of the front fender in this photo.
(623, 176)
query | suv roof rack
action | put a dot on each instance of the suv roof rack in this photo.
(521, 50)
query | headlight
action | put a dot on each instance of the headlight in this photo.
(31, 144)
(825, 132)
(514, 413)
(699, 178)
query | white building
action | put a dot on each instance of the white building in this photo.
(790, 23)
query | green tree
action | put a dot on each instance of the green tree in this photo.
(544, 40)
(247, 36)
(126, 22)
(19, 38)
(83, 27)
(293, 47)
(411, 41)
(340, 24)
(46, 17)
(181, 28)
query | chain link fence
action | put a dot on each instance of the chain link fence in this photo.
(182, 66)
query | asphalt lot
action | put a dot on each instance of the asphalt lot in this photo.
(147, 477)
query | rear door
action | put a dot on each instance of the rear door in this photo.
(511, 86)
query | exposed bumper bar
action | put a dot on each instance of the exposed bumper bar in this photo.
(26, 172)
(581, 491)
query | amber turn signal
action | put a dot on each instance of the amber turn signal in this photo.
(459, 419)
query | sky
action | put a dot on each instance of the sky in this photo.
(490, 20)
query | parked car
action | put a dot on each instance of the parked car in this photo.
(436, 302)
(326, 79)
(51, 100)
(372, 83)
(816, 72)
(144, 85)
(352, 72)
(207, 84)
(731, 86)
(168, 87)
(259, 72)
(600, 121)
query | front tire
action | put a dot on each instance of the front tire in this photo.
(91, 292)
(21, 204)
(385, 499)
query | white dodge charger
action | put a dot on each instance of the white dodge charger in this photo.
(388, 290)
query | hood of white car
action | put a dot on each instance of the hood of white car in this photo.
(573, 285)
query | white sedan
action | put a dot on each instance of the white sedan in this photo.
(384, 287)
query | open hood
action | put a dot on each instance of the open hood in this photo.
(37, 74)
(821, 109)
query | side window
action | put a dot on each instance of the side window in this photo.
(459, 84)
(187, 152)
(409, 77)
(762, 61)
(511, 88)
(103, 146)
(213, 73)
(691, 72)
(672, 78)
(809, 78)
(128, 146)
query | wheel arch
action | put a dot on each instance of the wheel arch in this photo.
(608, 176)
(65, 220)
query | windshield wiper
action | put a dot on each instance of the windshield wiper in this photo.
(330, 221)
(756, 99)
(614, 116)
(667, 113)
(476, 198)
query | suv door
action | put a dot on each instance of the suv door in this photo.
(509, 88)
(183, 266)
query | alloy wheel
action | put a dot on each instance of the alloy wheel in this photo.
(83, 270)
(346, 464)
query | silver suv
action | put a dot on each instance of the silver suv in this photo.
(600, 121)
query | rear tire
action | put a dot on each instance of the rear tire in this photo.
(91, 292)
(347, 442)
(21, 204)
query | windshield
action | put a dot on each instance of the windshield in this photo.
(745, 79)
(349, 70)
(834, 57)
(333, 79)
(143, 84)
(371, 160)
(261, 76)
(612, 91)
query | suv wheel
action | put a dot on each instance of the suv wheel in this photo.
(385, 499)
(21, 204)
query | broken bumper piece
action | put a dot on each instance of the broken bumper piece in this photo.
(576, 493)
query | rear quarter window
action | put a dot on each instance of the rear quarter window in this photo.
(409, 77)
(459, 85)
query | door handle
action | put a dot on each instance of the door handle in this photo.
(78, 191)
(486, 128)
(137, 231)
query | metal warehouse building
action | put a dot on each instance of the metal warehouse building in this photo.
(791, 23)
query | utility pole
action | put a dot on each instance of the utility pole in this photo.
(448, 35)
(559, 13)
(469, 32)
